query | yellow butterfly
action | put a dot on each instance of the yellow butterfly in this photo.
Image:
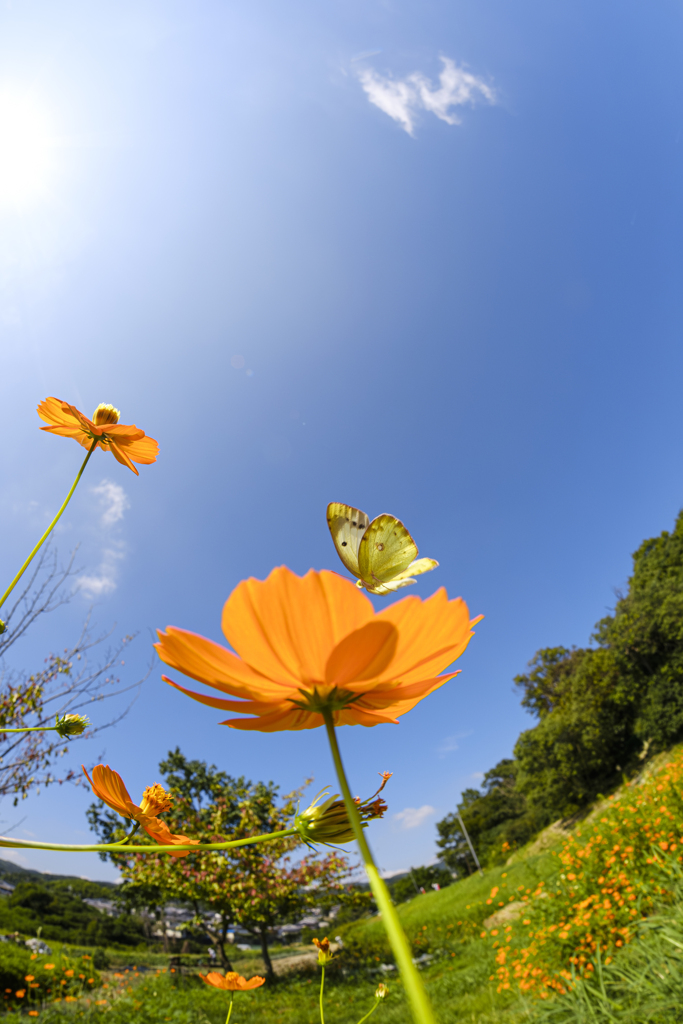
(381, 554)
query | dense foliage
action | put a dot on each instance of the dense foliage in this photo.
(60, 913)
(601, 711)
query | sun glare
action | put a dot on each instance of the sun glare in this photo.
(27, 149)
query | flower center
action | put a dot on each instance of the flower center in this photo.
(330, 699)
(105, 414)
(155, 800)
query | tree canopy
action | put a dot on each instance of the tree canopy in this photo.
(600, 710)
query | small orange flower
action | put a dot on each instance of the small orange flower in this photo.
(232, 982)
(109, 786)
(128, 444)
(314, 643)
(324, 955)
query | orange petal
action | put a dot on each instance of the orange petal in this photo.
(287, 626)
(363, 654)
(213, 664)
(213, 978)
(58, 413)
(385, 698)
(254, 982)
(283, 718)
(143, 450)
(250, 707)
(432, 634)
(120, 456)
(159, 832)
(109, 787)
(124, 433)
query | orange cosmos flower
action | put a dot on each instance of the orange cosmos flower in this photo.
(232, 982)
(108, 786)
(128, 444)
(313, 643)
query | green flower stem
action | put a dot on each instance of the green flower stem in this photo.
(33, 728)
(377, 1002)
(20, 844)
(227, 1019)
(322, 986)
(130, 835)
(417, 997)
(48, 531)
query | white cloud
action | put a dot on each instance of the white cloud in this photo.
(105, 579)
(113, 501)
(448, 745)
(402, 99)
(413, 817)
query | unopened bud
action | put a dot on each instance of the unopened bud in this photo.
(71, 725)
(3, 627)
(325, 823)
(382, 991)
(329, 822)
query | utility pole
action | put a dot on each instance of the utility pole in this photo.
(469, 843)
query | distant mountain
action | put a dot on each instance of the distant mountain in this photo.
(15, 873)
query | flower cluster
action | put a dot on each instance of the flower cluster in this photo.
(67, 980)
(613, 871)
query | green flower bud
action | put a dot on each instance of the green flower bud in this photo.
(325, 823)
(329, 823)
(71, 725)
(3, 627)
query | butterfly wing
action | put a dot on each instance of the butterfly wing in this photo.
(385, 551)
(347, 526)
(405, 579)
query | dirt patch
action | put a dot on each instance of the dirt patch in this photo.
(505, 915)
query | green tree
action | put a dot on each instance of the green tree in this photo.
(256, 887)
(420, 878)
(62, 915)
(497, 817)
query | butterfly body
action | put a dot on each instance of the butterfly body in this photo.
(381, 554)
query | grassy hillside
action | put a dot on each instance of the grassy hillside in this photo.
(584, 925)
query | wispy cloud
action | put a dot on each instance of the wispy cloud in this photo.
(113, 501)
(403, 98)
(413, 817)
(105, 579)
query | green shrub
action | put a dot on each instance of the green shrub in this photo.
(15, 964)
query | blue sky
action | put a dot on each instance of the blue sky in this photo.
(423, 258)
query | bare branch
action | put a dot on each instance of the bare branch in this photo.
(69, 682)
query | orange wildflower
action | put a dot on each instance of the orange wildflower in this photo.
(232, 982)
(109, 786)
(313, 643)
(128, 444)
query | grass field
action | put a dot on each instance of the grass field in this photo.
(588, 928)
